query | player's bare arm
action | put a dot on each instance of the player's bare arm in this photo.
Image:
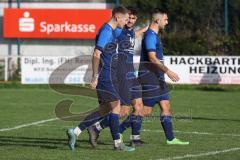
(140, 31)
(95, 67)
(173, 76)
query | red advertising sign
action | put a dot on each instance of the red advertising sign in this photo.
(54, 23)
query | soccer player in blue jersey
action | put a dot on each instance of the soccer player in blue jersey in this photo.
(105, 80)
(151, 75)
(126, 38)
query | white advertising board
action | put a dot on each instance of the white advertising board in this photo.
(191, 69)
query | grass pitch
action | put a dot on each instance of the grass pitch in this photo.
(209, 119)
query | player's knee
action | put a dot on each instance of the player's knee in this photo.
(166, 108)
(146, 111)
(167, 111)
(138, 108)
(125, 110)
(116, 110)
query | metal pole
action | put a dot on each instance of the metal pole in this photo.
(18, 46)
(6, 69)
(18, 3)
(18, 40)
(226, 17)
(8, 57)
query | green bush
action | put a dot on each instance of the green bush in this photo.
(179, 45)
(196, 27)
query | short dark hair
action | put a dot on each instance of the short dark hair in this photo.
(158, 10)
(132, 10)
(119, 9)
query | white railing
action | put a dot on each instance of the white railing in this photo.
(9, 62)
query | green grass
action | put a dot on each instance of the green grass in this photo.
(196, 111)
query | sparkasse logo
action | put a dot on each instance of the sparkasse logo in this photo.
(26, 24)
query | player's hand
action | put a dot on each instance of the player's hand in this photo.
(173, 76)
(94, 81)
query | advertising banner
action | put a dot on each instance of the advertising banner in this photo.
(54, 23)
(191, 69)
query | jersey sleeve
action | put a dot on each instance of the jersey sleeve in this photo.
(103, 39)
(150, 43)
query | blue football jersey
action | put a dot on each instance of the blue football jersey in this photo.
(152, 43)
(126, 41)
(106, 42)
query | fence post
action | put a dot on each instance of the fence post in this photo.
(6, 69)
(18, 46)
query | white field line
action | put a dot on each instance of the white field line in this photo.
(144, 130)
(28, 124)
(41, 121)
(190, 156)
(197, 133)
(40, 124)
(35, 123)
